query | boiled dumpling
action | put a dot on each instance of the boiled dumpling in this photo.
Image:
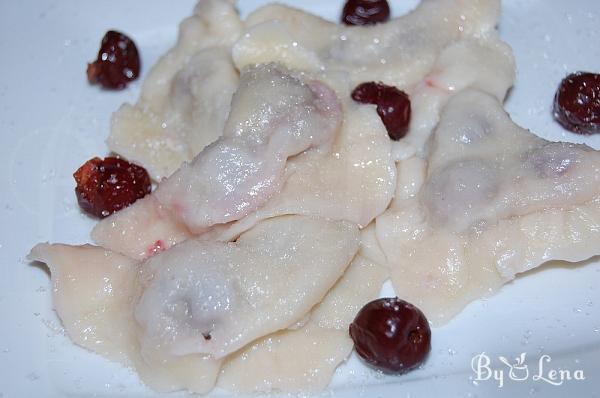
(185, 97)
(275, 115)
(399, 52)
(94, 294)
(305, 359)
(215, 297)
(176, 315)
(354, 182)
(484, 63)
(493, 200)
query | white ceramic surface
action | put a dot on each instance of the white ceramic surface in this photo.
(51, 121)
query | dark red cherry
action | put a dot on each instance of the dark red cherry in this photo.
(118, 62)
(577, 103)
(391, 335)
(109, 185)
(393, 106)
(365, 12)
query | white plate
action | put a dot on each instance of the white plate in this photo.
(51, 121)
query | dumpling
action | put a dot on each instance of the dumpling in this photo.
(176, 315)
(215, 297)
(304, 359)
(93, 291)
(354, 182)
(483, 167)
(94, 294)
(399, 52)
(485, 63)
(493, 200)
(192, 118)
(186, 96)
(275, 115)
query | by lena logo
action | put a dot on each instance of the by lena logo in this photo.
(519, 371)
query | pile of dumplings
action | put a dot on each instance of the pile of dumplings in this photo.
(282, 205)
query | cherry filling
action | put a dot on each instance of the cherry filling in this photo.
(106, 186)
(577, 103)
(393, 106)
(365, 12)
(118, 62)
(391, 335)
